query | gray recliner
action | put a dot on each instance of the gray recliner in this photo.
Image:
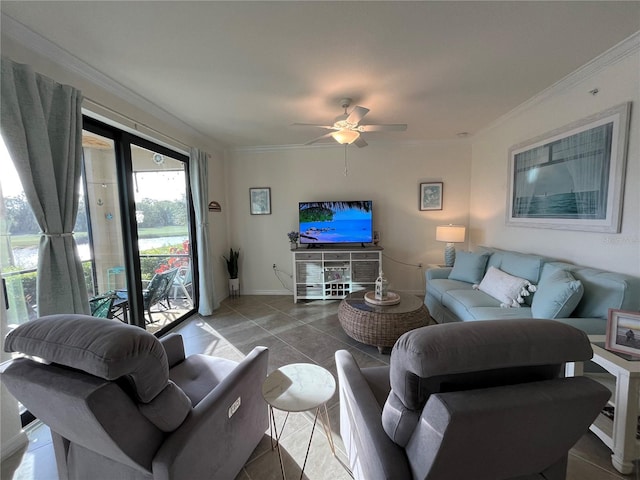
(122, 404)
(482, 400)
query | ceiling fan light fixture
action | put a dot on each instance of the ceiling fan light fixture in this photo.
(345, 137)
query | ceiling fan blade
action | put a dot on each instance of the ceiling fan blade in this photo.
(326, 135)
(356, 114)
(360, 142)
(311, 125)
(394, 127)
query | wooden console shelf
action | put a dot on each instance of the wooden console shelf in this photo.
(333, 273)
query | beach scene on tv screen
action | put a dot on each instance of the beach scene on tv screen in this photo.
(336, 222)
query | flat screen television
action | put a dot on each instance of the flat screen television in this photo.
(335, 222)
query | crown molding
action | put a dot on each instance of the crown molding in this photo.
(45, 47)
(625, 48)
(377, 143)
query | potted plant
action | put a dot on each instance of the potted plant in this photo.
(232, 269)
(293, 239)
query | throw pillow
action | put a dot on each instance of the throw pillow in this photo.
(506, 288)
(557, 296)
(469, 267)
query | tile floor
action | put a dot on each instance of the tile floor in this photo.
(304, 332)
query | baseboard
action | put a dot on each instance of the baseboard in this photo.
(13, 445)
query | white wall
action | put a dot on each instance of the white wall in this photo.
(617, 82)
(389, 174)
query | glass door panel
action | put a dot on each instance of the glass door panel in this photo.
(99, 228)
(162, 218)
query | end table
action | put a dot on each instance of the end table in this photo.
(299, 387)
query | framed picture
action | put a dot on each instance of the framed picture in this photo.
(260, 200)
(431, 196)
(571, 178)
(623, 332)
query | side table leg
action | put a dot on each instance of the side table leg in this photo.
(327, 429)
(625, 424)
(273, 431)
(315, 419)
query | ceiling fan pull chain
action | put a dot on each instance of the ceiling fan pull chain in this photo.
(346, 170)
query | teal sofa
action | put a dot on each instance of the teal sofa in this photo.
(572, 294)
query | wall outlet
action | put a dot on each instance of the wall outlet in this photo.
(234, 407)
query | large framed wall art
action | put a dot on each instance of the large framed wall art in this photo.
(571, 178)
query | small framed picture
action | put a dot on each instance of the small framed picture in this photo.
(260, 200)
(431, 196)
(623, 332)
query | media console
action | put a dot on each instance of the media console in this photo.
(334, 273)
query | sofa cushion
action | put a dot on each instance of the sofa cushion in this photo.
(469, 267)
(498, 313)
(557, 295)
(440, 286)
(522, 265)
(508, 289)
(460, 302)
(604, 290)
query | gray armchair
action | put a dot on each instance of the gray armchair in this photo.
(483, 400)
(121, 404)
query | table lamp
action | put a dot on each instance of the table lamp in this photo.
(450, 234)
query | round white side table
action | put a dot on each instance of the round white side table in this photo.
(299, 387)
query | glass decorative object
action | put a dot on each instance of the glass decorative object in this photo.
(382, 286)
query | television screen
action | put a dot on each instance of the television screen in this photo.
(336, 222)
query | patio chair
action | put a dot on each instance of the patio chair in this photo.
(182, 281)
(102, 305)
(158, 290)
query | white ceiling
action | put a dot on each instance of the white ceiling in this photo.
(242, 72)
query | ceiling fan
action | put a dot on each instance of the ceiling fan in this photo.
(346, 128)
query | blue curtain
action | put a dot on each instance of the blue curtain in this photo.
(41, 125)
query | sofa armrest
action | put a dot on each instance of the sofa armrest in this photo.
(211, 443)
(174, 347)
(372, 454)
(433, 273)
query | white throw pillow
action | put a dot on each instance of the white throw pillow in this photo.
(508, 289)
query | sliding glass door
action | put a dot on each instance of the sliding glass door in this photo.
(139, 227)
(163, 224)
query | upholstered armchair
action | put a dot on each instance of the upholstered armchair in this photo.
(482, 400)
(122, 404)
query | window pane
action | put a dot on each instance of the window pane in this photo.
(163, 233)
(19, 238)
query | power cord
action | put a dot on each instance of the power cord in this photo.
(419, 266)
(277, 272)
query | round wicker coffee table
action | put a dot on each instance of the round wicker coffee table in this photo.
(381, 325)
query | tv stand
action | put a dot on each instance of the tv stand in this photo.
(333, 273)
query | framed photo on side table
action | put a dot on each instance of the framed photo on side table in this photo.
(623, 332)
(260, 200)
(431, 196)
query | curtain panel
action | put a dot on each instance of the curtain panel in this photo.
(41, 124)
(199, 179)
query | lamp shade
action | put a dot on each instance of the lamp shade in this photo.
(345, 137)
(450, 233)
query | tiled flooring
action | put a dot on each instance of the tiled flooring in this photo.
(304, 332)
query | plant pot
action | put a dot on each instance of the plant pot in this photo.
(293, 245)
(234, 287)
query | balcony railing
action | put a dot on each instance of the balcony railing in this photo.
(21, 284)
